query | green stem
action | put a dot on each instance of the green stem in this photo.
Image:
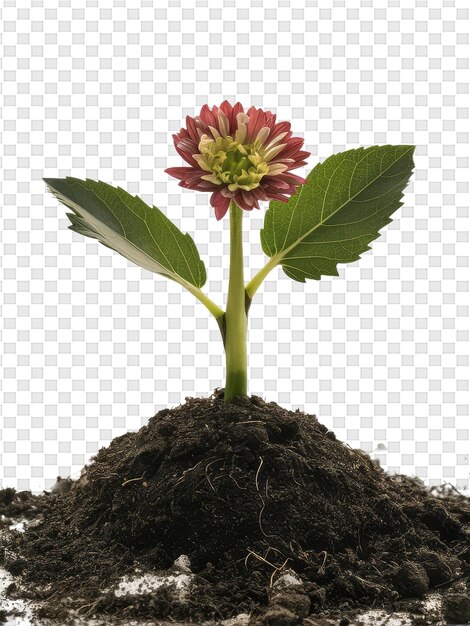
(235, 317)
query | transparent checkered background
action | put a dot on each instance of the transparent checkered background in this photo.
(93, 346)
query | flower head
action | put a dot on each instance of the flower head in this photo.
(244, 157)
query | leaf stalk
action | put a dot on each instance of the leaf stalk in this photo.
(255, 283)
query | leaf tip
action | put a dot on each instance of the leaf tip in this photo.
(50, 183)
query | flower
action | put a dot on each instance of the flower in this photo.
(244, 157)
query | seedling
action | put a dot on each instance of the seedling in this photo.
(244, 158)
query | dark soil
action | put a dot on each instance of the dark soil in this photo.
(248, 491)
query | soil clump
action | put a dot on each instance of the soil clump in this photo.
(277, 517)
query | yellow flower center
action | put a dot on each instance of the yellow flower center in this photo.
(231, 163)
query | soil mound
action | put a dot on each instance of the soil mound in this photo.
(252, 494)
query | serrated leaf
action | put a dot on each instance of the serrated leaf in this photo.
(338, 212)
(124, 223)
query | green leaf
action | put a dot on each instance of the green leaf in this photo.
(124, 223)
(338, 212)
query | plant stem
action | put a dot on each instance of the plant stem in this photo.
(235, 317)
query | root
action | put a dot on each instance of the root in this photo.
(257, 473)
(260, 558)
(90, 607)
(263, 499)
(263, 504)
(241, 488)
(207, 473)
(276, 569)
(183, 475)
(131, 480)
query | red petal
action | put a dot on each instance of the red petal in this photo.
(231, 113)
(192, 129)
(302, 155)
(238, 108)
(179, 172)
(260, 194)
(207, 116)
(200, 185)
(250, 200)
(187, 155)
(292, 178)
(281, 127)
(245, 200)
(275, 182)
(220, 204)
(280, 197)
(255, 124)
(270, 120)
(293, 146)
(295, 165)
(226, 108)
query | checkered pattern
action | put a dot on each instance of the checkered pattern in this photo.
(93, 345)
